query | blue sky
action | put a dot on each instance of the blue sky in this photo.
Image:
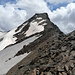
(50, 5)
(3, 2)
(14, 12)
(54, 7)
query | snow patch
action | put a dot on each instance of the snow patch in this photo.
(35, 27)
(39, 18)
(44, 24)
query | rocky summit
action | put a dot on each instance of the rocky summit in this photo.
(52, 53)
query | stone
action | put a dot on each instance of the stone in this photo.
(63, 48)
(58, 58)
(66, 67)
(20, 66)
(49, 73)
(73, 53)
(63, 73)
(60, 73)
(73, 47)
(70, 72)
(73, 72)
(60, 69)
(72, 65)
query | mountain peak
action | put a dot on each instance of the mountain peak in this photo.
(43, 15)
(37, 24)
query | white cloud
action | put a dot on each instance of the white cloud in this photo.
(11, 16)
(33, 6)
(65, 18)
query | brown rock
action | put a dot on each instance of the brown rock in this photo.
(42, 73)
(63, 73)
(73, 53)
(60, 69)
(60, 73)
(49, 73)
(73, 72)
(66, 67)
(72, 65)
(63, 48)
(70, 72)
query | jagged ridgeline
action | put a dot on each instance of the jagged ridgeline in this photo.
(51, 53)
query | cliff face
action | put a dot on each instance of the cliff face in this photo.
(53, 53)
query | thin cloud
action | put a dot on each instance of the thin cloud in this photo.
(64, 18)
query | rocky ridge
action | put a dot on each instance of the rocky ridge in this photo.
(52, 54)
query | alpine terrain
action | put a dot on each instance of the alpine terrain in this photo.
(37, 47)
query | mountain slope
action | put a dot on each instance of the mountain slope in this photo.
(38, 24)
(52, 54)
(55, 56)
(37, 47)
(7, 59)
(30, 34)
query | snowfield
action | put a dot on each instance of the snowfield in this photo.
(8, 39)
(7, 59)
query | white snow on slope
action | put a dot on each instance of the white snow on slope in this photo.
(10, 52)
(8, 65)
(44, 24)
(9, 38)
(35, 27)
